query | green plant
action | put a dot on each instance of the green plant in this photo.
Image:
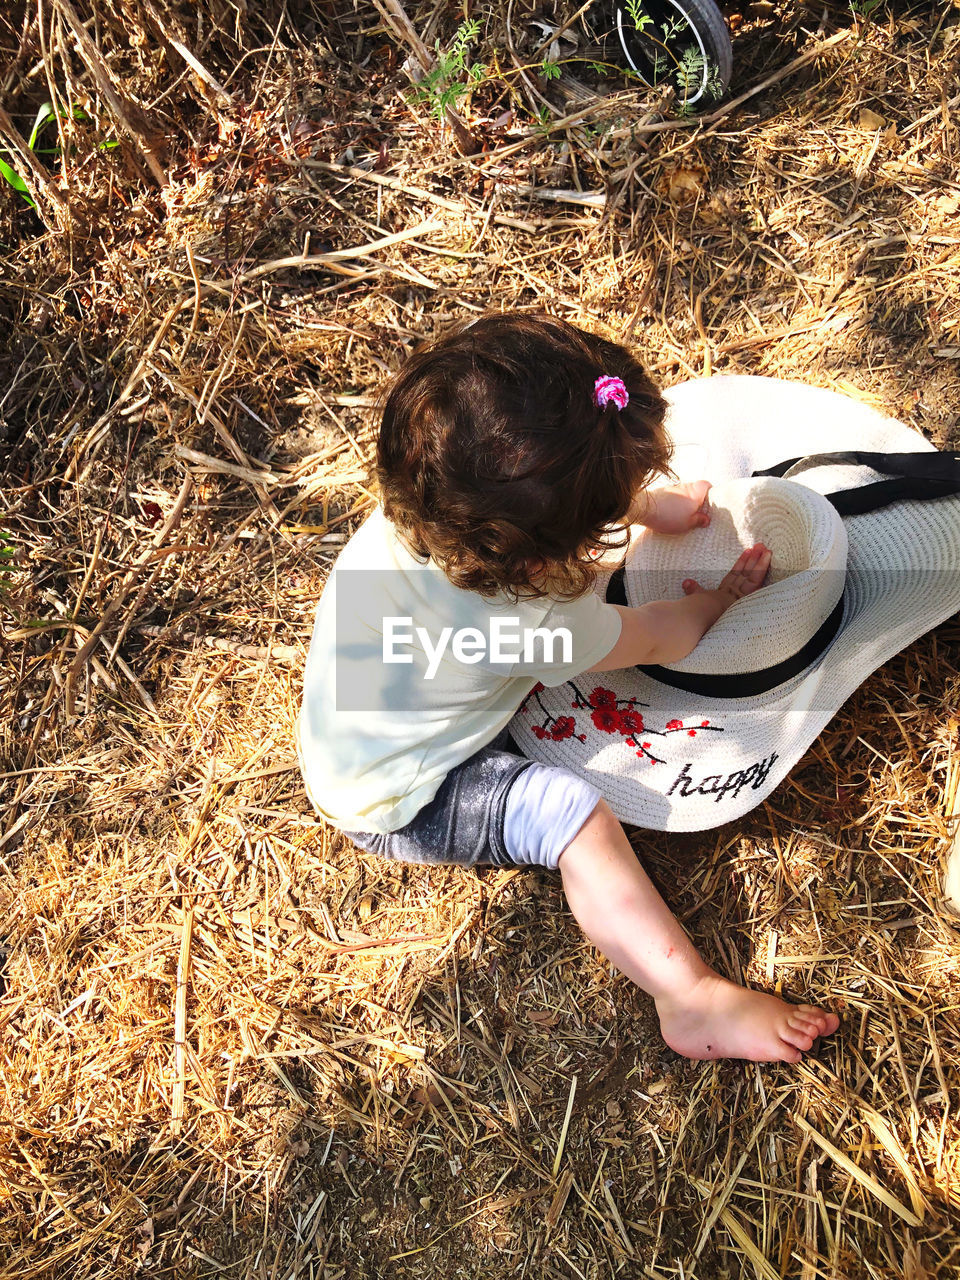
(47, 114)
(661, 56)
(864, 8)
(542, 121)
(691, 69)
(638, 17)
(7, 555)
(443, 85)
(690, 77)
(44, 116)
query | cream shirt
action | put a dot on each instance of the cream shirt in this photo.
(377, 738)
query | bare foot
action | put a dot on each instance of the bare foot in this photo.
(718, 1019)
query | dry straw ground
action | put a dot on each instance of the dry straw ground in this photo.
(232, 1045)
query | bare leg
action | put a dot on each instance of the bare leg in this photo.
(702, 1015)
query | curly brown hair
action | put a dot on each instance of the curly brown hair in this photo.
(495, 462)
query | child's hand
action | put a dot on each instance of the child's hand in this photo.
(746, 576)
(664, 631)
(674, 509)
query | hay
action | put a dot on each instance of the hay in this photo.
(232, 1044)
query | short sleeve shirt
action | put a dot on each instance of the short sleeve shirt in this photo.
(408, 675)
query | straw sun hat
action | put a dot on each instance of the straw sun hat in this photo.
(855, 577)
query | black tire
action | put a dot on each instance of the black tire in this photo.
(685, 43)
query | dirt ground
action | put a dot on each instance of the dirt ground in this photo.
(231, 1043)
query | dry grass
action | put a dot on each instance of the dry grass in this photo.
(231, 1044)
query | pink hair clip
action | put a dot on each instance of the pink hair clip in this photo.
(606, 389)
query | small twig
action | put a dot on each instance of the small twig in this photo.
(98, 431)
(419, 193)
(180, 1023)
(197, 66)
(204, 462)
(256, 652)
(125, 113)
(197, 294)
(544, 45)
(126, 586)
(207, 415)
(588, 199)
(338, 255)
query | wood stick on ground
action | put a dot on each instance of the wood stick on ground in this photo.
(776, 76)
(129, 117)
(256, 652)
(865, 1179)
(180, 1024)
(120, 596)
(419, 193)
(338, 255)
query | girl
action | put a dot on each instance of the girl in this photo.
(512, 453)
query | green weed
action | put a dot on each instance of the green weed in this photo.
(639, 19)
(690, 77)
(864, 9)
(443, 86)
(47, 114)
(691, 69)
(7, 171)
(7, 555)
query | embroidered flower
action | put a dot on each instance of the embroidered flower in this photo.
(632, 720)
(607, 719)
(612, 715)
(563, 728)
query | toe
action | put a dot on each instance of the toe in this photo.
(790, 1055)
(799, 1038)
(801, 1023)
(826, 1023)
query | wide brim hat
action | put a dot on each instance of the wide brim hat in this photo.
(859, 572)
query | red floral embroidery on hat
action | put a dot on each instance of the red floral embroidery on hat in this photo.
(563, 728)
(609, 715)
(607, 719)
(633, 720)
